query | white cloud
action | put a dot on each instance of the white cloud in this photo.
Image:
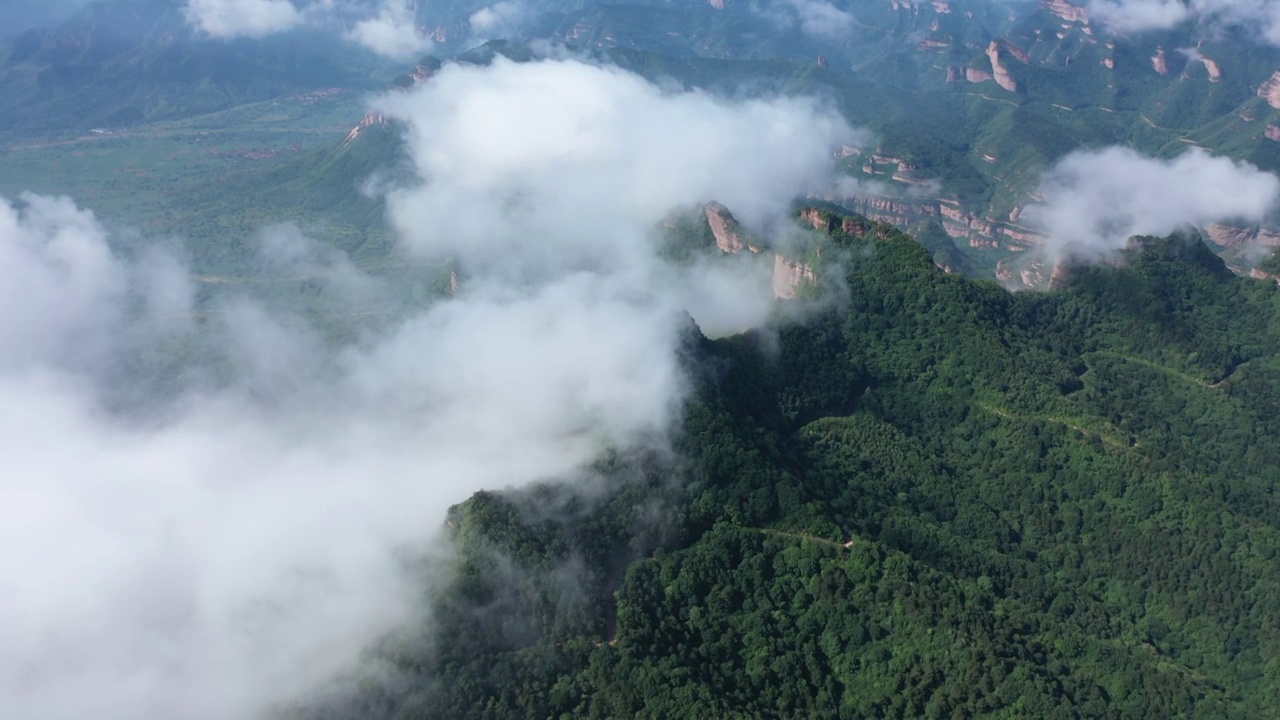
(854, 187)
(1140, 15)
(389, 31)
(1097, 199)
(500, 20)
(818, 18)
(1261, 16)
(243, 18)
(244, 547)
(392, 33)
(821, 19)
(237, 534)
(54, 258)
(535, 165)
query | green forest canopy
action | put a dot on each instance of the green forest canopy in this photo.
(939, 499)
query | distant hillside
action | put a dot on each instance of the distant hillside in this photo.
(18, 16)
(119, 63)
(969, 100)
(980, 96)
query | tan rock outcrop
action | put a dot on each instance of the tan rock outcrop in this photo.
(1022, 55)
(1264, 275)
(1022, 237)
(788, 275)
(890, 210)
(953, 212)
(420, 74)
(974, 75)
(369, 120)
(1066, 11)
(1159, 62)
(1215, 72)
(725, 228)
(1270, 91)
(1229, 235)
(907, 174)
(998, 70)
(817, 219)
(1233, 236)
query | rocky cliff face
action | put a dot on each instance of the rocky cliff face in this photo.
(1264, 275)
(1159, 62)
(369, 120)
(1066, 11)
(1234, 236)
(1211, 67)
(1018, 53)
(788, 275)
(1270, 91)
(824, 222)
(976, 75)
(977, 230)
(998, 70)
(725, 228)
(418, 75)
(1032, 273)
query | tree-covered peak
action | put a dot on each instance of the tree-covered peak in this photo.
(935, 498)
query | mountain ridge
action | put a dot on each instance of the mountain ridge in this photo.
(847, 532)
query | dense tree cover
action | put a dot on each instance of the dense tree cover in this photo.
(934, 499)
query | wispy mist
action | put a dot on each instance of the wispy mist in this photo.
(499, 20)
(243, 18)
(241, 529)
(392, 32)
(817, 18)
(1260, 16)
(388, 28)
(1095, 200)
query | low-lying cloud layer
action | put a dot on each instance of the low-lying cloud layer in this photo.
(249, 521)
(243, 18)
(1261, 16)
(1097, 199)
(392, 32)
(510, 152)
(500, 20)
(817, 18)
(388, 28)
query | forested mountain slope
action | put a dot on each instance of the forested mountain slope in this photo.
(120, 63)
(938, 499)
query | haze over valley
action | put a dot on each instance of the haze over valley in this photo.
(555, 358)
